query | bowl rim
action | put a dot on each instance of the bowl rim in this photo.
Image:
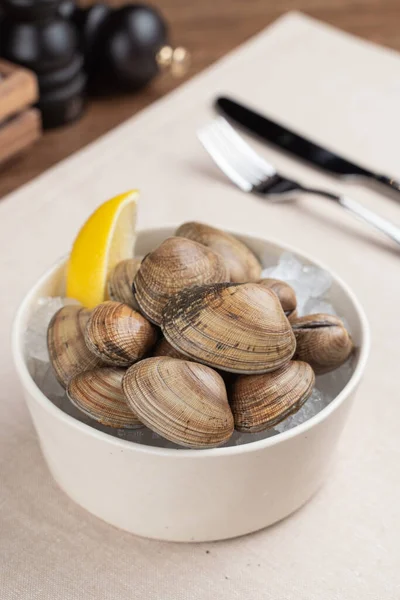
(34, 391)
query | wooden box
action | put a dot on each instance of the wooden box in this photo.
(20, 125)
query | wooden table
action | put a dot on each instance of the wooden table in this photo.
(209, 29)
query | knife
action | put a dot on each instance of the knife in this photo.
(295, 144)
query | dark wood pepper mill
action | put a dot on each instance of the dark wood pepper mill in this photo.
(34, 35)
(124, 48)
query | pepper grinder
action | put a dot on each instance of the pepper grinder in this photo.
(124, 48)
(34, 35)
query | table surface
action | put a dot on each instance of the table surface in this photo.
(209, 29)
(345, 542)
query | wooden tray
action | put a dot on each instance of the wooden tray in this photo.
(19, 132)
(20, 125)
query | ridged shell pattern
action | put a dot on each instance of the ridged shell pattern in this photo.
(118, 334)
(323, 341)
(242, 263)
(98, 394)
(235, 327)
(68, 352)
(176, 264)
(259, 402)
(183, 401)
(120, 282)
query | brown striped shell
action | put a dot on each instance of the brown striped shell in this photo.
(118, 334)
(120, 281)
(234, 327)
(176, 264)
(259, 402)
(164, 348)
(183, 401)
(322, 341)
(242, 264)
(98, 394)
(285, 293)
(68, 352)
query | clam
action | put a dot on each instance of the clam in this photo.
(185, 402)
(259, 402)
(242, 264)
(176, 264)
(120, 282)
(285, 293)
(98, 393)
(118, 334)
(234, 327)
(322, 341)
(68, 352)
(164, 348)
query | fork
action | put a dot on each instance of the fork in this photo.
(251, 173)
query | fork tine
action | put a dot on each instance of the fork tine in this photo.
(207, 139)
(238, 158)
(230, 160)
(233, 155)
(267, 169)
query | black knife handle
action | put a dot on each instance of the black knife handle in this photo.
(274, 133)
(388, 181)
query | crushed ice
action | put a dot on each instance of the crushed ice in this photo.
(311, 285)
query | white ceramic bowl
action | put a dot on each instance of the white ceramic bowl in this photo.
(189, 495)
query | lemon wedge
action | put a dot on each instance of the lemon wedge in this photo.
(106, 238)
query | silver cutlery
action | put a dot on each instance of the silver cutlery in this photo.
(251, 173)
(297, 145)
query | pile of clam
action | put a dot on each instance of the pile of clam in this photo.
(193, 344)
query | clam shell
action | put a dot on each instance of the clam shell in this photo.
(242, 264)
(68, 352)
(98, 393)
(182, 401)
(259, 402)
(285, 293)
(118, 334)
(234, 327)
(176, 264)
(120, 282)
(164, 348)
(322, 341)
